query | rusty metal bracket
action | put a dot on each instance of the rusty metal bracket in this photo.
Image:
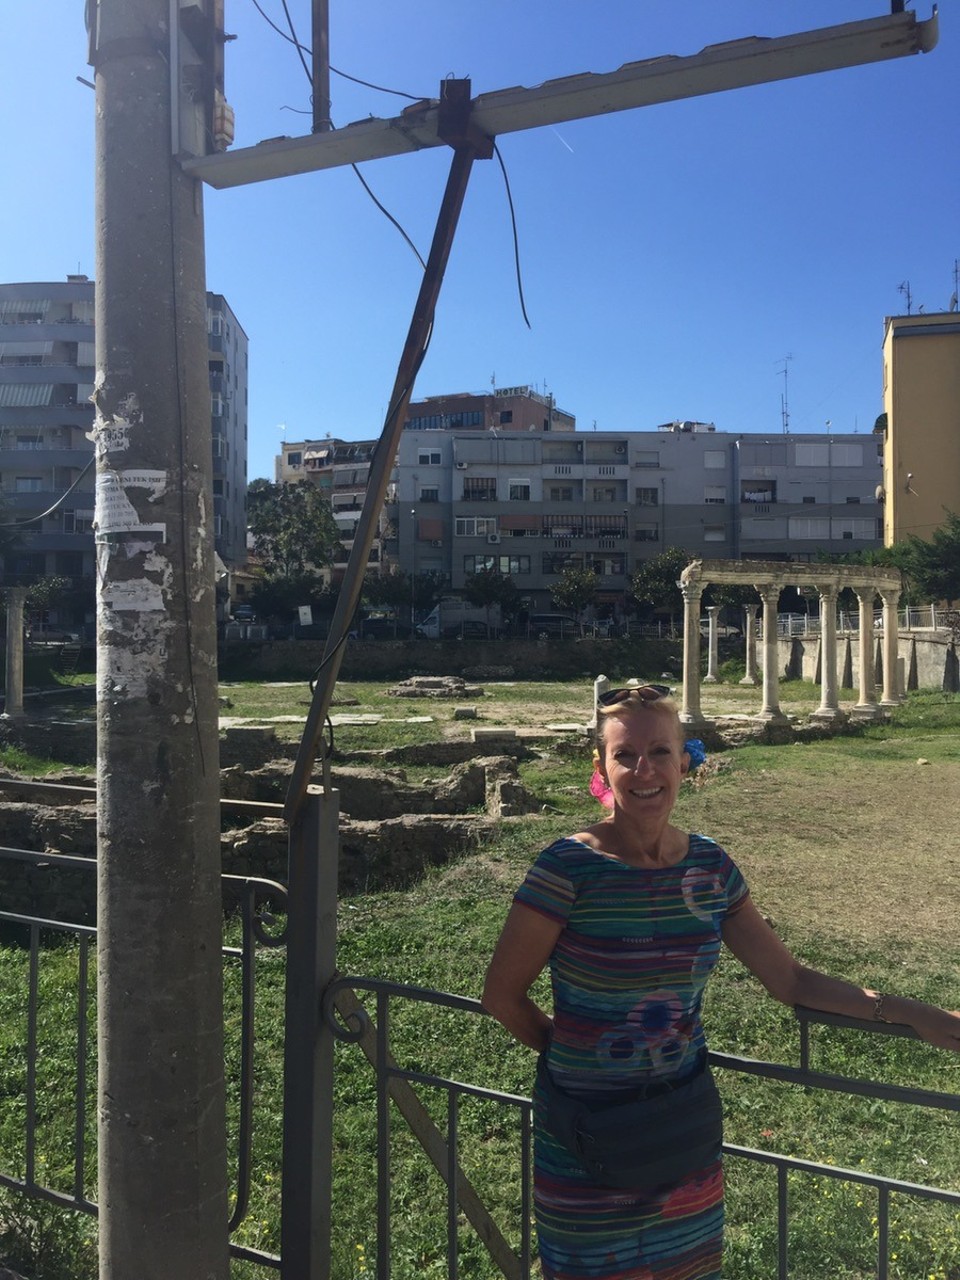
(454, 123)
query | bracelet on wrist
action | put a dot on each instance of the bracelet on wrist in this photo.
(878, 1013)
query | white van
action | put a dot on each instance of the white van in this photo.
(454, 616)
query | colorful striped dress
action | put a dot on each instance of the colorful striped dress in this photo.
(628, 974)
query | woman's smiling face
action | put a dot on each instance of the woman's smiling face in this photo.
(643, 761)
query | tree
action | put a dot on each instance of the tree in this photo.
(293, 527)
(575, 590)
(655, 581)
(487, 588)
(934, 565)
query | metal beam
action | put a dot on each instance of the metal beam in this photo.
(719, 67)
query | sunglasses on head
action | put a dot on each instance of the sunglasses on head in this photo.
(645, 693)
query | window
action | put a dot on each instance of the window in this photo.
(473, 527)
(714, 459)
(607, 566)
(69, 523)
(647, 533)
(429, 493)
(758, 491)
(809, 527)
(479, 564)
(216, 405)
(557, 561)
(808, 499)
(646, 458)
(218, 483)
(846, 455)
(714, 533)
(601, 494)
(28, 484)
(561, 493)
(29, 442)
(479, 489)
(294, 458)
(428, 457)
(519, 491)
(853, 527)
(510, 565)
(648, 497)
(506, 416)
(812, 455)
(714, 495)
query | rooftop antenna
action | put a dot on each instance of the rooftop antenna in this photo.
(956, 285)
(904, 288)
(785, 397)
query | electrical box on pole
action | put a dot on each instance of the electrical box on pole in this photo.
(202, 119)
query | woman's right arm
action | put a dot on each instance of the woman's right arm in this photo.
(524, 947)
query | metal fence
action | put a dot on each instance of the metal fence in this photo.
(346, 1017)
(40, 934)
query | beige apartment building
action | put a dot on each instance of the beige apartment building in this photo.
(921, 447)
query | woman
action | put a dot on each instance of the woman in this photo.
(629, 914)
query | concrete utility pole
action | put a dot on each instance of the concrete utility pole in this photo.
(162, 1145)
(13, 686)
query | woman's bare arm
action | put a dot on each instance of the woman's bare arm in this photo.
(756, 945)
(523, 949)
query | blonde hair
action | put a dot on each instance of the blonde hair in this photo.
(634, 702)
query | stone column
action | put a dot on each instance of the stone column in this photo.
(600, 685)
(892, 695)
(829, 708)
(770, 596)
(866, 708)
(690, 712)
(713, 612)
(13, 689)
(750, 641)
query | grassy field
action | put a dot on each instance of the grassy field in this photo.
(850, 847)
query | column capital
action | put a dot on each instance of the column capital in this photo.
(865, 594)
(691, 590)
(768, 591)
(890, 596)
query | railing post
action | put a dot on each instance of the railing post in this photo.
(306, 1210)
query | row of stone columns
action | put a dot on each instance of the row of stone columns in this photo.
(866, 708)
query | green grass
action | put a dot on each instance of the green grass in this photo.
(848, 844)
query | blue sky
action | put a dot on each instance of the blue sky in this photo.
(672, 256)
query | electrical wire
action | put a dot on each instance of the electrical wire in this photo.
(16, 524)
(304, 51)
(516, 241)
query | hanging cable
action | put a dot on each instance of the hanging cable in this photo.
(307, 53)
(516, 241)
(16, 524)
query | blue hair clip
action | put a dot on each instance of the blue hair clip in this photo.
(697, 753)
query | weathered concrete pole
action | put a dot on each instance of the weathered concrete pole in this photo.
(713, 614)
(162, 1148)
(13, 686)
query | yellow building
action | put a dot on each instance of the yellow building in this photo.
(921, 398)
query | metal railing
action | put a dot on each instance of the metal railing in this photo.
(349, 1021)
(249, 891)
(392, 1077)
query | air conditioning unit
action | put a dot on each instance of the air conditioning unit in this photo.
(437, 542)
(461, 466)
(493, 539)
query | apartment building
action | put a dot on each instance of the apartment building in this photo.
(341, 470)
(921, 439)
(46, 380)
(533, 504)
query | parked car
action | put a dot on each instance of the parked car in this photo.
(383, 629)
(244, 613)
